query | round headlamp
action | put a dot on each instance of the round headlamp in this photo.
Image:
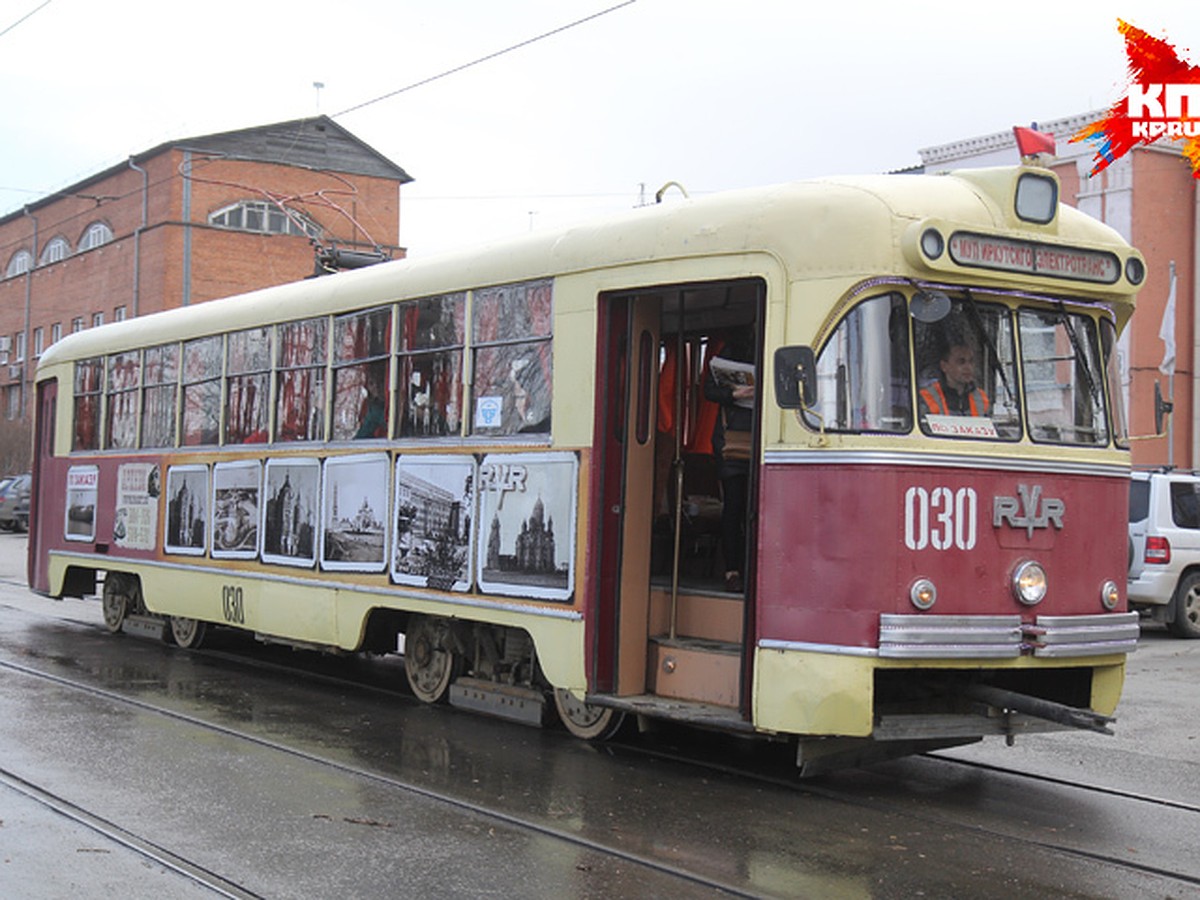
(1029, 583)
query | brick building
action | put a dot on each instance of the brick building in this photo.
(1151, 199)
(184, 222)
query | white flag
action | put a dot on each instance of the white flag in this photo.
(1166, 331)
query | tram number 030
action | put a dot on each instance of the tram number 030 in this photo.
(232, 604)
(940, 517)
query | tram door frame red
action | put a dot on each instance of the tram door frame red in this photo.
(627, 388)
(43, 451)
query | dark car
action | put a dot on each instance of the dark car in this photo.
(14, 504)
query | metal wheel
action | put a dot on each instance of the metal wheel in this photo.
(429, 659)
(1187, 608)
(188, 633)
(591, 723)
(118, 598)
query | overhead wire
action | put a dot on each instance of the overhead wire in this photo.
(483, 59)
(24, 17)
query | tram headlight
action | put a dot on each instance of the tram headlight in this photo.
(1029, 583)
(1135, 270)
(1110, 596)
(923, 593)
(932, 243)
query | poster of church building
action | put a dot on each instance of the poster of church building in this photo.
(526, 528)
(354, 513)
(434, 508)
(290, 525)
(187, 509)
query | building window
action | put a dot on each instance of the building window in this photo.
(56, 332)
(21, 262)
(12, 401)
(119, 314)
(20, 342)
(97, 233)
(57, 250)
(37, 343)
(97, 319)
(77, 324)
(266, 218)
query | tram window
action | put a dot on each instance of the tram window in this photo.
(1063, 389)
(512, 359)
(246, 385)
(124, 378)
(300, 371)
(966, 373)
(89, 382)
(863, 376)
(160, 374)
(429, 384)
(202, 390)
(1112, 373)
(361, 344)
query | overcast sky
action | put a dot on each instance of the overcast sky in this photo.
(713, 95)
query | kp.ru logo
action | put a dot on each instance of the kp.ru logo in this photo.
(1163, 101)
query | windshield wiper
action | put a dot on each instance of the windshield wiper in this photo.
(1080, 356)
(993, 355)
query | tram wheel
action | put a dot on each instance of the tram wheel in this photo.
(429, 661)
(118, 598)
(586, 721)
(1187, 608)
(188, 633)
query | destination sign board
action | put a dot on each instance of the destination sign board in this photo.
(1030, 257)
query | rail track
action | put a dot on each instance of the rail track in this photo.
(919, 796)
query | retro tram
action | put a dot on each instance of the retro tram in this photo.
(502, 462)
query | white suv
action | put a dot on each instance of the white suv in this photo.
(1164, 549)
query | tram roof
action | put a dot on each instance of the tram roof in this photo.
(819, 228)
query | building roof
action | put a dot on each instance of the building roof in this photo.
(315, 143)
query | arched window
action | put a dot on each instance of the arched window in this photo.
(21, 262)
(264, 217)
(96, 234)
(55, 251)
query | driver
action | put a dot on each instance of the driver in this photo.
(953, 392)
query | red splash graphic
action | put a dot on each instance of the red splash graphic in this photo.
(1159, 82)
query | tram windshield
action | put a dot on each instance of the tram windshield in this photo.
(962, 376)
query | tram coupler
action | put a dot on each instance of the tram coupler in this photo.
(1071, 716)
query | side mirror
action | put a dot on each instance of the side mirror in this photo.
(795, 377)
(1162, 409)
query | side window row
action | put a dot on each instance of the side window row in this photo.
(395, 370)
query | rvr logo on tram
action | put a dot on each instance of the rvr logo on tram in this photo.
(1023, 512)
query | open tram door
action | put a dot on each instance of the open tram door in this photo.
(673, 632)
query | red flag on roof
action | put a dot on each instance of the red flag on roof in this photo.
(1031, 143)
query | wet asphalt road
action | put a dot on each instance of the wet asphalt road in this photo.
(283, 786)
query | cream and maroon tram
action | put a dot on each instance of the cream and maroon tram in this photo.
(506, 457)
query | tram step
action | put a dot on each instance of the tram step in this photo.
(705, 671)
(145, 626)
(506, 701)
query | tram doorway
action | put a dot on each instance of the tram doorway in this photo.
(676, 585)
